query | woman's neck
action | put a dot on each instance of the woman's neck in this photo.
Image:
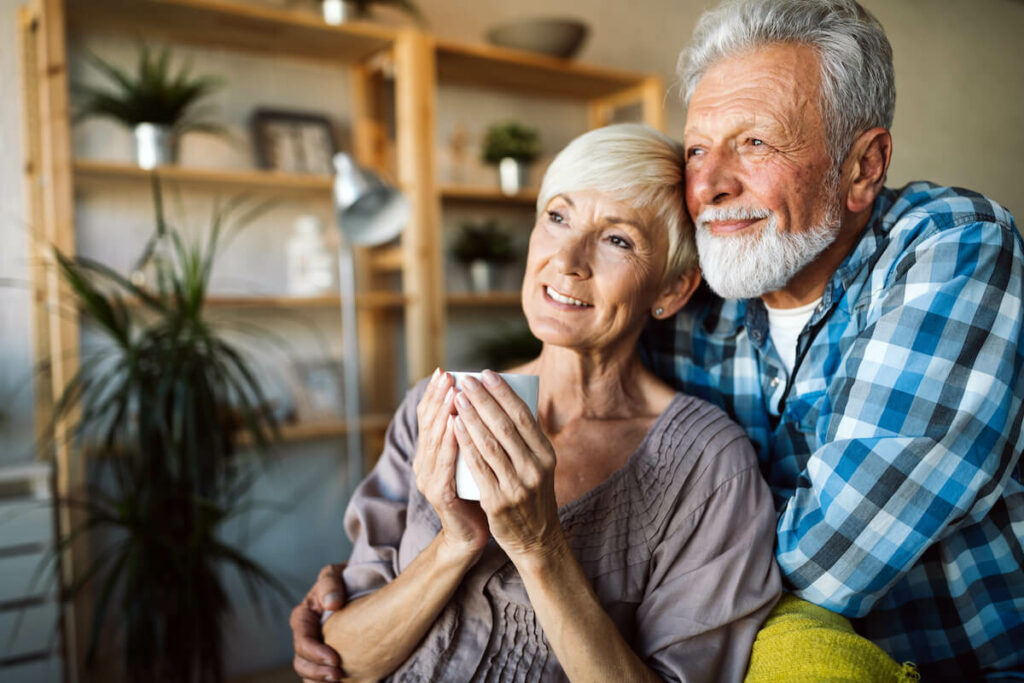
(578, 385)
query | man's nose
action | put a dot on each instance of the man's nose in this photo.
(714, 179)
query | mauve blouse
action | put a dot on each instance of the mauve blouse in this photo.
(677, 544)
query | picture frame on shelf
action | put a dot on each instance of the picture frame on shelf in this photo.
(317, 385)
(293, 141)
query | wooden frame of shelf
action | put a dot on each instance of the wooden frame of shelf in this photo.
(487, 195)
(313, 430)
(90, 171)
(235, 25)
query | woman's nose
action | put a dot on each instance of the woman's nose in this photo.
(573, 257)
(714, 178)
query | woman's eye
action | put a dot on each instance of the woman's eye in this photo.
(756, 142)
(620, 242)
(555, 217)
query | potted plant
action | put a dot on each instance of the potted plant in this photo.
(339, 11)
(158, 409)
(512, 147)
(158, 105)
(482, 247)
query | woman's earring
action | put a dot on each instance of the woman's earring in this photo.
(658, 311)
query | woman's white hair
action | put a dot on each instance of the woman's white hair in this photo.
(635, 164)
(858, 87)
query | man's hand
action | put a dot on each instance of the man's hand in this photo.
(315, 661)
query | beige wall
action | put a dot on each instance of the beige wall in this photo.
(959, 74)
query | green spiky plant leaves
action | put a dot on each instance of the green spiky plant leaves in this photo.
(511, 139)
(159, 409)
(485, 241)
(153, 94)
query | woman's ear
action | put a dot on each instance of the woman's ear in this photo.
(868, 163)
(676, 293)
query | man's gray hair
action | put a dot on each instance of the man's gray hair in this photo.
(634, 164)
(858, 89)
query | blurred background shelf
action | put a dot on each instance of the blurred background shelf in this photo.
(484, 194)
(327, 429)
(92, 172)
(235, 25)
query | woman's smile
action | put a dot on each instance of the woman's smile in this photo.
(564, 301)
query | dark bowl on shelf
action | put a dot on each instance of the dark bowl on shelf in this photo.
(553, 37)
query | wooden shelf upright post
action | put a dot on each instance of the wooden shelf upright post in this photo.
(415, 87)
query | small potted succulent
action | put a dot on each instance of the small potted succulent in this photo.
(511, 147)
(158, 105)
(482, 247)
(339, 11)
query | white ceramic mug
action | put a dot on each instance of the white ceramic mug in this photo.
(526, 387)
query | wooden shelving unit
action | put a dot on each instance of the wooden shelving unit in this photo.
(487, 195)
(406, 64)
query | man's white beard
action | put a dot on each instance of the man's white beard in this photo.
(747, 266)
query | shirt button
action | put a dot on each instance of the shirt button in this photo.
(774, 382)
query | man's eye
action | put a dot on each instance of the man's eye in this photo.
(694, 152)
(755, 142)
(555, 217)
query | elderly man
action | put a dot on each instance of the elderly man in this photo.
(869, 340)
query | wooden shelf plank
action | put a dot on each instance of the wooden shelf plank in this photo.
(234, 25)
(474, 193)
(528, 73)
(367, 300)
(474, 300)
(363, 300)
(87, 171)
(329, 429)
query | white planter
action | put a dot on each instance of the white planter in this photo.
(483, 276)
(512, 175)
(337, 12)
(154, 145)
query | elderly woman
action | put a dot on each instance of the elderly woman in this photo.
(626, 533)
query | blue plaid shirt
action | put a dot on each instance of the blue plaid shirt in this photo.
(894, 447)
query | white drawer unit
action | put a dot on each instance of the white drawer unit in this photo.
(29, 612)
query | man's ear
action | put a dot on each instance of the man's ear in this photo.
(676, 293)
(866, 166)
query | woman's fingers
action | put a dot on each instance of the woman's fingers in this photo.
(434, 406)
(481, 470)
(485, 443)
(498, 424)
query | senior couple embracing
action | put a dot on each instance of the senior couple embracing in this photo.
(822, 420)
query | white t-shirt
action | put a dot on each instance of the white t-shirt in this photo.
(785, 326)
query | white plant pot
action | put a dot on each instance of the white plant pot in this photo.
(154, 145)
(337, 12)
(483, 276)
(512, 175)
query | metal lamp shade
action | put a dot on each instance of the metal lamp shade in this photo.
(369, 213)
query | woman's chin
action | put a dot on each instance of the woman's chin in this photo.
(551, 333)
